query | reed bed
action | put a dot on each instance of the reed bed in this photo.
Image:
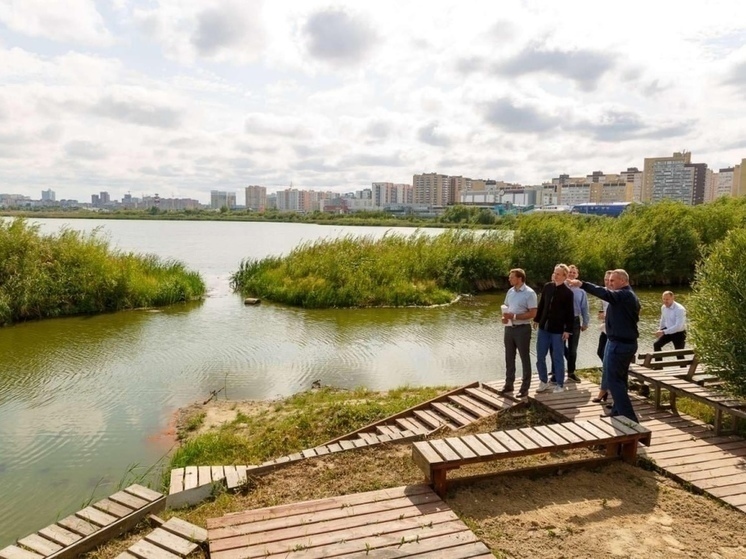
(72, 273)
(361, 272)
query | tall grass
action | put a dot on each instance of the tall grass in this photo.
(392, 271)
(71, 273)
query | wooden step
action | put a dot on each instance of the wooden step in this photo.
(490, 397)
(90, 527)
(433, 419)
(174, 539)
(471, 406)
(460, 418)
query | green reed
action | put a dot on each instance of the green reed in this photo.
(70, 273)
(392, 271)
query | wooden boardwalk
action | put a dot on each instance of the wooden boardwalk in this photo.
(452, 410)
(399, 522)
(682, 446)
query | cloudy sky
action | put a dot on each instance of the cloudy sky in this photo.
(180, 97)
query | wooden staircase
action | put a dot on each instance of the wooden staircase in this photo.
(452, 410)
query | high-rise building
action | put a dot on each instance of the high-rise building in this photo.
(431, 189)
(95, 200)
(222, 198)
(256, 198)
(665, 177)
(699, 174)
(633, 176)
(384, 193)
(105, 198)
(47, 195)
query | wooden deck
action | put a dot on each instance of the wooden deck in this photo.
(682, 446)
(399, 522)
(452, 410)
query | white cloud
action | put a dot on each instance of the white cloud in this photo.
(183, 95)
(71, 21)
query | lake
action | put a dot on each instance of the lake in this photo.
(88, 402)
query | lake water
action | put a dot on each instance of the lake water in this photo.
(87, 402)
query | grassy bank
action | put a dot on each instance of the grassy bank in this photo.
(361, 272)
(70, 273)
(301, 421)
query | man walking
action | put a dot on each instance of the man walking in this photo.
(622, 316)
(582, 320)
(554, 319)
(518, 310)
(672, 327)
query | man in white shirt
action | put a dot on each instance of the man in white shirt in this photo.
(518, 312)
(672, 326)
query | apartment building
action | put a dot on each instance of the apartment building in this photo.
(431, 189)
(221, 198)
(256, 198)
(665, 177)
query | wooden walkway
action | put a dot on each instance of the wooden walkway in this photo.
(399, 522)
(682, 446)
(452, 410)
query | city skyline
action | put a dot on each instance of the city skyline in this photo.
(180, 98)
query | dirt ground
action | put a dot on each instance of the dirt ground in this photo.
(614, 510)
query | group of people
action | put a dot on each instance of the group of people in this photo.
(561, 314)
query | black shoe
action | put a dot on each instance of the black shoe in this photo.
(505, 390)
(552, 379)
(522, 394)
(573, 377)
(601, 398)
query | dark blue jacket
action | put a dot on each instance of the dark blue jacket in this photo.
(623, 312)
(556, 310)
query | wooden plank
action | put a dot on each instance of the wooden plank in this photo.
(565, 433)
(425, 457)
(308, 453)
(231, 477)
(506, 441)
(593, 430)
(491, 399)
(536, 437)
(218, 473)
(128, 500)
(96, 516)
(552, 436)
(429, 418)
(491, 443)
(460, 418)
(143, 492)
(39, 544)
(476, 445)
(334, 447)
(343, 501)
(321, 450)
(59, 535)
(521, 439)
(176, 484)
(171, 542)
(444, 450)
(146, 550)
(185, 530)
(459, 447)
(347, 445)
(78, 525)
(113, 508)
(190, 477)
(242, 473)
(15, 552)
(579, 431)
(469, 406)
(204, 475)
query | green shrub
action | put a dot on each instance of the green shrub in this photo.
(717, 310)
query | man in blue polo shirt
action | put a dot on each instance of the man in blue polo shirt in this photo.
(622, 317)
(518, 311)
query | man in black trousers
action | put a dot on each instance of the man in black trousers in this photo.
(622, 317)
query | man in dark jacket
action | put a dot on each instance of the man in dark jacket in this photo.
(555, 319)
(622, 316)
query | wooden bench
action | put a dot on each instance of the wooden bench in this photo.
(720, 402)
(619, 435)
(677, 359)
(90, 527)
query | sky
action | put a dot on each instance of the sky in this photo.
(180, 97)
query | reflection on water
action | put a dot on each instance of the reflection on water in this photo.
(84, 399)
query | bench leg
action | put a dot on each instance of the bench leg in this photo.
(672, 399)
(612, 449)
(438, 479)
(718, 421)
(629, 452)
(657, 396)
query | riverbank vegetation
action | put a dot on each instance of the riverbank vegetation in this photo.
(71, 273)
(658, 244)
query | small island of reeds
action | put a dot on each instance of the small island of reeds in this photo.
(73, 273)
(394, 271)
